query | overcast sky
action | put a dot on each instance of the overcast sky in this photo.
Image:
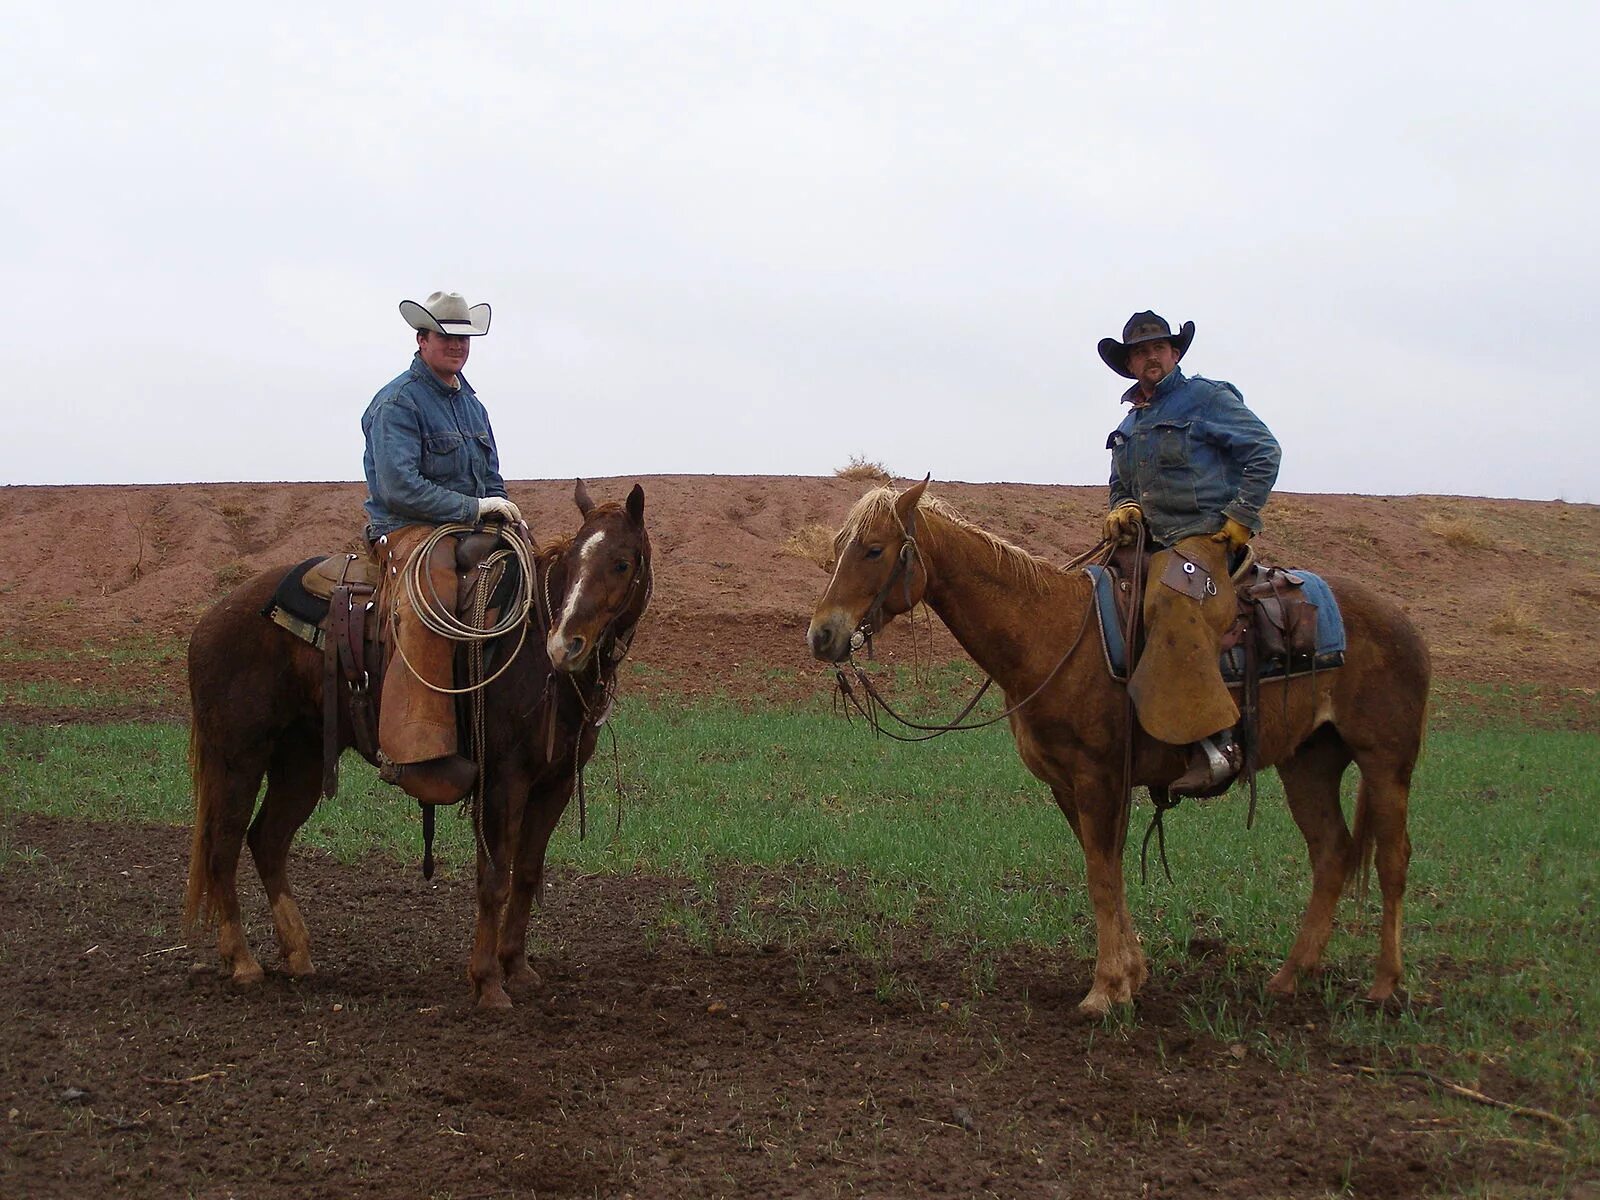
(761, 238)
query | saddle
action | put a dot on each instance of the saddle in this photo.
(1287, 622)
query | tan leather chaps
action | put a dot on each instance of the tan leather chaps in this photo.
(1189, 604)
(415, 722)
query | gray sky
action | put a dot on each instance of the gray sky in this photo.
(760, 238)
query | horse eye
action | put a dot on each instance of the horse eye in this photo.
(874, 551)
(622, 566)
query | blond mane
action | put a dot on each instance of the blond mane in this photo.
(1027, 569)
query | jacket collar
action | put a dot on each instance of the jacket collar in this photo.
(1135, 397)
(419, 370)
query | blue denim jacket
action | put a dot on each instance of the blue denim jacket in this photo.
(430, 453)
(1192, 457)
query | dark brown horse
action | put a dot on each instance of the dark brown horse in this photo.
(1018, 616)
(257, 699)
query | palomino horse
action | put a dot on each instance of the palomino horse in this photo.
(257, 698)
(1027, 623)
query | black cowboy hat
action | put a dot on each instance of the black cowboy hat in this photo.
(1143, 327)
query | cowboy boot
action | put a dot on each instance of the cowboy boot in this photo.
(443, 780)
(1214, 762)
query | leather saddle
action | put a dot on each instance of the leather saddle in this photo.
(1274, 610)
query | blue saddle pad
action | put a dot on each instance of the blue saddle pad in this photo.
(1330, 632)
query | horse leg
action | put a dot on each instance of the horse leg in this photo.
(1311, 782)
(294, 784)
(1102, 827)
(544, 809)
(224, 841)
(1381, 824)
(500, 835)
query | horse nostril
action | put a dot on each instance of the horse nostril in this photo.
(575, 647)
(821, 640)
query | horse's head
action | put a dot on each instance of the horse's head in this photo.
(878, 572)
(607, 573)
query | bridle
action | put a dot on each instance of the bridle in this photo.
(611, 646)
(872, 620)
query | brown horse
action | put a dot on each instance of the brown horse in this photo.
(257, 700)
(1017, 616)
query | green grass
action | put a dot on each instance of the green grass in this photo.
(795, 827)
(47, 693)
(141, 648)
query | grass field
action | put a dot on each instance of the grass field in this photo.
(790, 825)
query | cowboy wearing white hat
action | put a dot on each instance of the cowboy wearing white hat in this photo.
(430, 460)
(1194, 466)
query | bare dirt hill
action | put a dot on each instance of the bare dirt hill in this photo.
(1505, 591)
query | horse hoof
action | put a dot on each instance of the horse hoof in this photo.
(247, 975)
(521, 975)
(300, 966)
(1095, 1006)
(493, 999)
(1283, 983)
(1388, 997)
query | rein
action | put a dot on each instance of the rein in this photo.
(874, 699)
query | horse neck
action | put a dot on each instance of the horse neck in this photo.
(1008, 624)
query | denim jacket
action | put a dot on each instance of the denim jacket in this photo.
(430, 453)
(1192, 457)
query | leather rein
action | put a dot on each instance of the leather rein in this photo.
(872, 620)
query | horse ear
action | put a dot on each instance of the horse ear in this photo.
(636, 504)
(906, 502)
(580, 495)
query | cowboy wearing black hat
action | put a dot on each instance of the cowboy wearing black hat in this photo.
(1195, 466)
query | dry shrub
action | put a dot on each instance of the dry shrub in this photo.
(814, 543)
(862, 468)
(1459, 533)
(1285, 508)
(1515, 620)
(235, 572)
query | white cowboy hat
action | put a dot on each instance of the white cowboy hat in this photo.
(447, 312)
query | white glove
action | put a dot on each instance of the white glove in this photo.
(498, 508)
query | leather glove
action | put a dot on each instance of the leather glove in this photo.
(1122, 522)
(1234, 533)
(498, 508)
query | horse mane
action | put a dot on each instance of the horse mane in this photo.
(555, 548)
(1027, 569)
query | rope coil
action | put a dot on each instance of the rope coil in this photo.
(441, 619)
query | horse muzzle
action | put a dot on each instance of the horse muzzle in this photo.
(569, 654)
(829, 637)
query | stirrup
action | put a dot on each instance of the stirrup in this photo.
(1223, 759)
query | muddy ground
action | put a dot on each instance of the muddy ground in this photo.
(641, 1064)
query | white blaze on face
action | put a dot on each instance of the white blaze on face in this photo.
(586, 555)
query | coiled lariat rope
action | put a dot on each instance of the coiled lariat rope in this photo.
(442, 620)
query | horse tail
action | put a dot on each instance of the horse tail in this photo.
(206, 774)
(1363, 845)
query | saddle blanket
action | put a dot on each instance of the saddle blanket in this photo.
(296, 609)
(1330, 633)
